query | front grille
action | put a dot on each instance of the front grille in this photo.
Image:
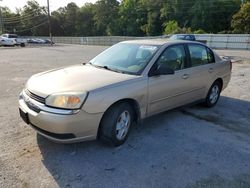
(35, 97)
(33, 107)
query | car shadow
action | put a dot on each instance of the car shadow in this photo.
(165, 149)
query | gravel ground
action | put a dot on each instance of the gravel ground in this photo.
(192, 147)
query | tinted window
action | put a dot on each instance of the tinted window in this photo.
(173, 57)
(210, 55)
(12, 36)
(198, 54)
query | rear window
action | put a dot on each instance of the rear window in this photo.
(210, 55)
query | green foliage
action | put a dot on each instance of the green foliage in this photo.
(33, 15)
(199, 31)
(131, 18)
(214, 15)
(105, 12)
(241, 20)
(171, 27)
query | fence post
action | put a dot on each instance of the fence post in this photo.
(211, 41)
(248, 43)
(227, 41)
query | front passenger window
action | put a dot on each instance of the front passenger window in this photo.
(173, 57)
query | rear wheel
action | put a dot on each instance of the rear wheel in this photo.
(213, 94)
(116, 124)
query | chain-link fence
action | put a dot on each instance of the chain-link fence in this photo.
(217, 41)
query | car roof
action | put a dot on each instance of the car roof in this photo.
(160, 42)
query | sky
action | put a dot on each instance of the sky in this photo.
(54, 4)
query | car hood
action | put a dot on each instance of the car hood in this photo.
(74, 78)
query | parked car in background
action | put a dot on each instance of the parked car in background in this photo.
(127, 82)
(36, 41)
(48, 41)
(18, 40)
(183, 37)
(7, 41)
(39, 41)
(189, 37)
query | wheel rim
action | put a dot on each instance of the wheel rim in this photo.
(214, 95)
(122, 125)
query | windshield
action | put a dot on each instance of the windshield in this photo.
(125, 58)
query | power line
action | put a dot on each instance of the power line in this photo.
(36, 26)
(17, 17)
(22, 20)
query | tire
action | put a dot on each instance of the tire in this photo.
(116, 124)
(213, 94)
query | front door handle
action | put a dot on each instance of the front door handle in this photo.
(185, 76)
(210, 70)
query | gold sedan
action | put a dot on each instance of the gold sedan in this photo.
(127, 82)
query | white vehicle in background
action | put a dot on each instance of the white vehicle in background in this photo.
(15, 38)
(7, 42)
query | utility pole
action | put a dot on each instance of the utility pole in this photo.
(1, 20)
(49, 20)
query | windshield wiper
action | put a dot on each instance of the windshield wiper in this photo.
(108, 68)
(103, 67)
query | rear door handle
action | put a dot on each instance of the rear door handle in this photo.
(185, 76)
(210, 70)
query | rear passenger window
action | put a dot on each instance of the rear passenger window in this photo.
(199, 55)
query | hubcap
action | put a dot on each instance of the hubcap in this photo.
(122, 125)
(214, 95)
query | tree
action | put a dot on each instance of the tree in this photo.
(34, 20)
(172, 27)
(154, 22)
(85, 25)
(241, 20)
(132, 17)
(214, 15)
(12, 21)
(57, 20)
(105, 12)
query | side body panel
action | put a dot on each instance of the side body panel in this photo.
(100, 100)
(169, 91)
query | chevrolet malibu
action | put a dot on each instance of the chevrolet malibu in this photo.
(127, 82)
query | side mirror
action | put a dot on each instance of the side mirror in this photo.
(163, 70)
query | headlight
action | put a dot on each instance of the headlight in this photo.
(71, 100)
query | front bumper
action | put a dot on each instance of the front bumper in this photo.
(59, 125)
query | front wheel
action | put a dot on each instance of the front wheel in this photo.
(116, 124)
(213, 94)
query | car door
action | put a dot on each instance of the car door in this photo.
(170, 91)
(203, 67)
